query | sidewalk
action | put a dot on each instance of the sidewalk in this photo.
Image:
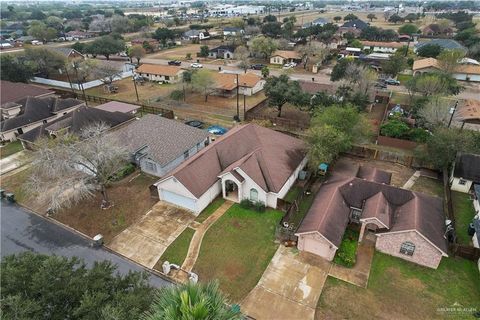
(195, 244)
(13, 162)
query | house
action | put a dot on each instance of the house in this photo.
(158, 145)
(463, 72)
(29, 113)
(465, 173)
(223, 52)
(116, 106)
(316, 22)
(249, 162)
(76, 34)
(248, 83)
(468, 112)
(196, 35)
(69, 53)
(406, 224)
(284, 56)
(232, 31)
(382, 47)
(445, 44)
(14, 91)
(355, 24)
(74, 122)
(161, 73)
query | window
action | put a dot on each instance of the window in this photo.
(167, 78)
(185, 155)
(44, 121)
(355, 215)
(253, 195)
(151, 166)
(407, 248)
(462, 182)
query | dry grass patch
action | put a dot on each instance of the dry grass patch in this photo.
(430, 186)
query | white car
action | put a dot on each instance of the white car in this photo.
(37, 43)
(289, 65)
(196, 65)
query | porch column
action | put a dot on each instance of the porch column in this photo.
(224, 193)
(362, 231)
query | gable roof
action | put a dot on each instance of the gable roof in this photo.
(425, 63)
(76, 120)
(268, 157)
(467, 166)
(232, 29)
(223, 47)
(13, 91)
(468, 111)
(443, 43)
(398, 209)
(287, 54)
(166, 139)
(37, 109)
(390, 44)
(356, 23)
(228, 81)
(158, 69)
(66, 51)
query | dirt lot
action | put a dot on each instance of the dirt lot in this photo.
(180, 52)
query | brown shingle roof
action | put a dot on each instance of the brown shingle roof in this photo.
(425, 63)
(157, 69)
(14, 91)
(374, 174)
(268, 157)
(469, 111)
(286, 54)
(383, 44)
(113, 106)
(228, 81)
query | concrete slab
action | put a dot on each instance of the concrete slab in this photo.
(145, 241)
(289, 288)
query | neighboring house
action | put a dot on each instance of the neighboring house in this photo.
(407, 224)
(196, 34)
(223, 52)
(14, 91)
(355, 24)
(382, 47)
(436, 30)
(466, 172)
(5, 44)
(76, 34)
(29, 113)
(284, 56)
(116, 106)
(161, 73)
(74, 122)
(446, 44)
(469, 61)
(249, 162)
(232, 31)
(316, 22)
(248, 84)
(463, 72)
(158, 145)
(69, 53)
(24, 39)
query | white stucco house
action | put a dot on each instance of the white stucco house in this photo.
(249, 162)
(160, 73)
(465, 173)
(383, 47)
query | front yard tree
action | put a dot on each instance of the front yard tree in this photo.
(449, 59)
(204, 51)
(45, 61)
(203, 82)
(396, 64)
(67, 170)
(281, 90)
(242, 54)
(107, 72)
(371, 16)
(38, 286)
(263, 46)
(106, 46)
(163, 35)
(14, 70)
(191, 301)
(137, 52)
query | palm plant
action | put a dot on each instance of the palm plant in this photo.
(191, 301)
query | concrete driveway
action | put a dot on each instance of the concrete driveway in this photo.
(289, 288)
(145, 241)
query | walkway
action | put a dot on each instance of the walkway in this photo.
(195, 244)
(412, 180)
(14, 161)
(359, 274)
(289, 288)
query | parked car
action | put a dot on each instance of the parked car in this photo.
(289, 65)
(392, 82)
(217, 130)
(36, 43)
(195, 124)
(196, 65)
(381, 85)
(257, 66)
(174, 63)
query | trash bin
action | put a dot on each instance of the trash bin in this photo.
(10, 197)
(471, 229)
(2, 193)
(219, 68)
(98, 240)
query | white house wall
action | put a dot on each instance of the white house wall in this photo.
(456, 186)
(291, 180)
(208, 196)
(464, 77)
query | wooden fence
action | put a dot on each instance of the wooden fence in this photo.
(396, 143)
(467, 252)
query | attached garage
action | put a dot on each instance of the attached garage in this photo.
(316, 244)
(178, 200)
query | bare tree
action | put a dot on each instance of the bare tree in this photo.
(107, 72)
(242, 54)
(436, 112)
(71, 168)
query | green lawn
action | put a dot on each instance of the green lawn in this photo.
(346, 255)
(403, 78)
(398, 289)
(177, 250)
(303, 208)
(292, 194)
(10, 148)
(237, 249)
(211, 208)
(464, 212)
(433, 187)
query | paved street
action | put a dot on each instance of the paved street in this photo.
(22, 230)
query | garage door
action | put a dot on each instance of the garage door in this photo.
(179, 200)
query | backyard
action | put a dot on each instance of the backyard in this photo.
(10, 148)
(464, 212)
(237, 249)
(430, 186)
(398, 289)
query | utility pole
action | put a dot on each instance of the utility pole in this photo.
(135, 85)
(71, 85)
(238, 107)
(452, 112)
(244, 100)
(75, 67)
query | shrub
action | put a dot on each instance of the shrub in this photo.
(259, 206)
(125, 171)
(246, 204)
(251, 205)
(418, 135)
(176, 95)
(395, 129)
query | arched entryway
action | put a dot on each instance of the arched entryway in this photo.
(231, 191)
(369, 227)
